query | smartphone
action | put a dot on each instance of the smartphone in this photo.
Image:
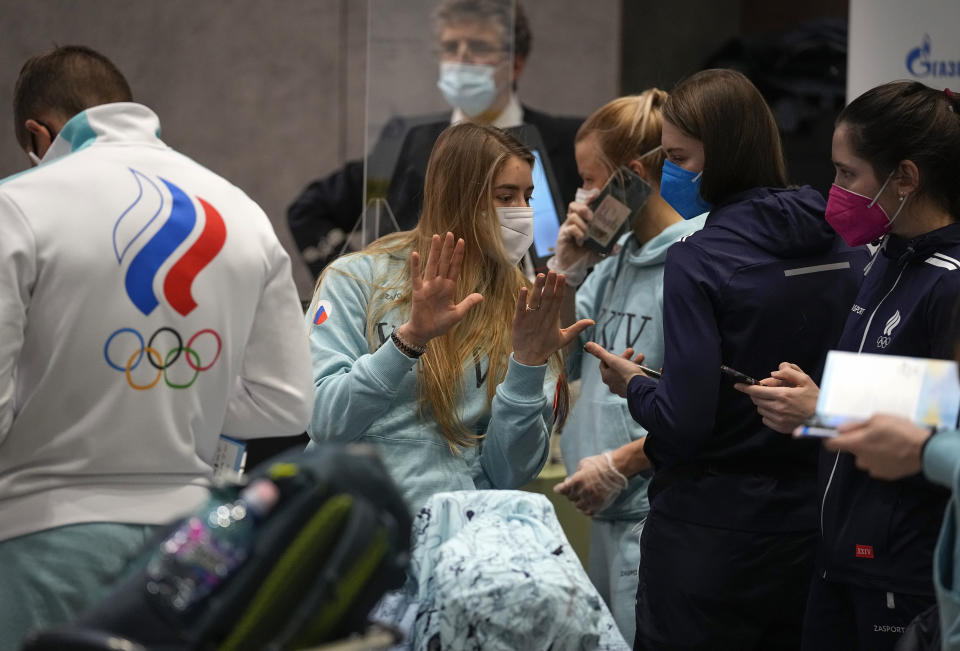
(623, 196)
(736, 375)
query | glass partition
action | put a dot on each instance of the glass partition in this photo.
(428, 61)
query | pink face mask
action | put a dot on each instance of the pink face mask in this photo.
(859, 219)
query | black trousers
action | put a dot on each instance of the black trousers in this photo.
(709, 588)
(843, 617)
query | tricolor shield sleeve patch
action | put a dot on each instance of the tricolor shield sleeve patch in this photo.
(322, 313)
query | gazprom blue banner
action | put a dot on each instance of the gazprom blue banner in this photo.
(892, 39)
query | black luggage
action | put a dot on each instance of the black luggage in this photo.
(295, 557)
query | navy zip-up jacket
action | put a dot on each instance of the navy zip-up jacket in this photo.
(766, 280)
(881, 534)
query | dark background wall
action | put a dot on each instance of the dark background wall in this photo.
(794, 52)
(272, 94)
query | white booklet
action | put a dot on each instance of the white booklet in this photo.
(231, 457)
(857, 386)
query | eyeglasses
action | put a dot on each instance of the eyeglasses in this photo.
(469, 50)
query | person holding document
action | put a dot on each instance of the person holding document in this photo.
(895, 152)
(727, 550)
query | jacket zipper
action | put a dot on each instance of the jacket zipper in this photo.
(863, 340)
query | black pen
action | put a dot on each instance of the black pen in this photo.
(650, 372)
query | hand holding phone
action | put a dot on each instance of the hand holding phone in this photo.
(623, 195)
(736, 375)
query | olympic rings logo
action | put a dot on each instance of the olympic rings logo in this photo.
(162, 363)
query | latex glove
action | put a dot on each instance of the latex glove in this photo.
(571, 257)
(595, 484)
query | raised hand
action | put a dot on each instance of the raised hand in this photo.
(536, 324)
(432, 308)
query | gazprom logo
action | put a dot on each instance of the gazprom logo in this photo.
(181, 218)
(920, 64)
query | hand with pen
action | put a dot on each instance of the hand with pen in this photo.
(616, 371)
(785, 400)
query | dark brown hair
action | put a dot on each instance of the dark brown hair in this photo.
(65, 81)
(741, 145)
(906, 120)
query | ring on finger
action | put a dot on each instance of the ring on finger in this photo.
(533, 309)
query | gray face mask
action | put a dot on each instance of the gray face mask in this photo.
(468, 87)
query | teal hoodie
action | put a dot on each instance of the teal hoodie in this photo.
(624, 295)
(370, 396)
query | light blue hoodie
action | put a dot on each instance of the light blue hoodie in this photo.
(371, 396)
(624, 295)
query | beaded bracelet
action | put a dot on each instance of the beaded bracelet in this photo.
(406, 348)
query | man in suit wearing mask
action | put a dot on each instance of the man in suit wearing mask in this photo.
(478, 78)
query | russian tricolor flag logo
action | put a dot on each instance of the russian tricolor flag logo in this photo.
(322, 314)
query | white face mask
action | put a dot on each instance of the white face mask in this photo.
(516, 230)
(34, 158)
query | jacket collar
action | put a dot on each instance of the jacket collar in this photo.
(902, 250)
(119, 122)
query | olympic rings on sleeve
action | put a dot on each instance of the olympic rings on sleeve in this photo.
(162, 363)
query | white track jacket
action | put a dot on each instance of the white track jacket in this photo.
(146, 307)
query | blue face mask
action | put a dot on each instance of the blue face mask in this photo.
(468, 87)
(681, 189)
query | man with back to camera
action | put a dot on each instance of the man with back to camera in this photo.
(475, 79)
(146, 307)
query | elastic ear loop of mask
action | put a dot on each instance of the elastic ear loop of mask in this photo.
(903, 200)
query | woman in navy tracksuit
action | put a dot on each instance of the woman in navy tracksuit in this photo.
(896, 149)
(727, 551)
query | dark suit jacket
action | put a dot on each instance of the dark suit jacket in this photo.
(327, 210)
(406, 186)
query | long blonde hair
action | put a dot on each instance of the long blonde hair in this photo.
(458, 197)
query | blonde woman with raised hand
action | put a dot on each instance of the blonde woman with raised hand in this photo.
(449, 368)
